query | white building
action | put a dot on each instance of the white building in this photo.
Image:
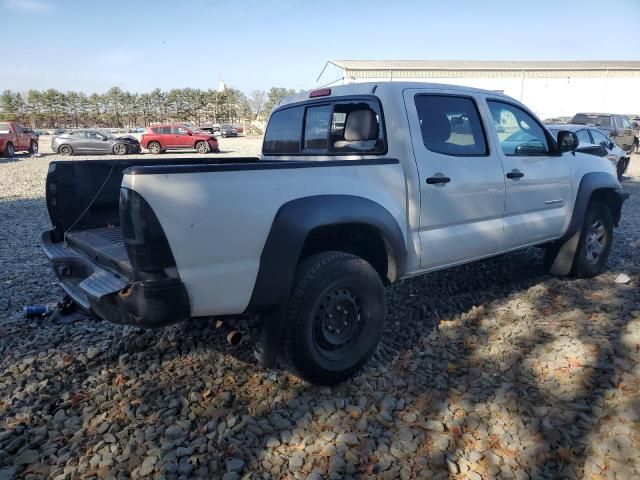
(550, 89)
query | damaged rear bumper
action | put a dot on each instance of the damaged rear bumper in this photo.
(111, 295)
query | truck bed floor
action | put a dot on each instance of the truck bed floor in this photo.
(105, 245)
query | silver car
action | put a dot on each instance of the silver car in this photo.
(596, 142)
(88, 141)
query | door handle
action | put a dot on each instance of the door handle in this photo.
(515, 174)
(435, 180)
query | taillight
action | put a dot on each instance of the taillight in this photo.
(146, 243)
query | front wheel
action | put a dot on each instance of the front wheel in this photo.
(120, 149)
(595, 242)
(33, 147)
(334, 318)
(202, 147)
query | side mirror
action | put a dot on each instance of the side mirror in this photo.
(567, 141)
(190, 134)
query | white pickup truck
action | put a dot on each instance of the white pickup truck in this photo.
(357, 187)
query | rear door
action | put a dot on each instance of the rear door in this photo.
(167, 137)
(538, 200)
(462, 186)
(22, 139)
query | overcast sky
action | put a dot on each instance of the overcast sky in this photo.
(93, 45)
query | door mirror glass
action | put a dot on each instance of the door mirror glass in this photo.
(567, 141)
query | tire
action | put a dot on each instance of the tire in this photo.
(202, 147)
(155, 148)
(120, 149)
(65, 150)
(595, 241)
(9, 151)
(33, 147)
(621, 167)
(334, 318)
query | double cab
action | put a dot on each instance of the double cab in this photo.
(357, 187)
(15, 138)
(160, 138)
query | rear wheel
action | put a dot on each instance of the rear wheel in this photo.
(334, 318)
(595, 241)
(155, 148)
(9, 151)
(33, 147)
(202, 147)
(120, 149)
(65, 150)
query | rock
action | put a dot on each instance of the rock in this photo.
(296, 461)
(348, 438)
(235, 465)
(184, 451)
(109, 438)
(174, 432)
(623, 278)
(27, 457)
(231, 476)
(148, 465)
(92, 352)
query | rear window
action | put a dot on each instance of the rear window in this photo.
(283, 132)
(346, 126)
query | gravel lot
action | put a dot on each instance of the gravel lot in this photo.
(492, 370)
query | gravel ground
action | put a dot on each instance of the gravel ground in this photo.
(492, 370)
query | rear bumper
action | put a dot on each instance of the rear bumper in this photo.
(113, 297)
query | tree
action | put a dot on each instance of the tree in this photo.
(257, 101)
(274, 96)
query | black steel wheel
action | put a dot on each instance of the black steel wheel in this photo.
(334, 318)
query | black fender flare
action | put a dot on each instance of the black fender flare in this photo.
(283, 247)
(565, 248)
(289, 230)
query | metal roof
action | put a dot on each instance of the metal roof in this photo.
(483, 65)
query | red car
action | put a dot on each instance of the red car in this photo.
(14, 138)
(160, 138)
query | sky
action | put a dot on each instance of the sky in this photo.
(139, 45)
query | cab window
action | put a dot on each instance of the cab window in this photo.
(519, 133)
(451, 125)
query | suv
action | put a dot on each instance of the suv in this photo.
(160, 138)
(357, 187)
(618, 127)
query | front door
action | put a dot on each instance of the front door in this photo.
(538, 178)
(182, 137)
(462, 185)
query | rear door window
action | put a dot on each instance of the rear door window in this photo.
(165, 130)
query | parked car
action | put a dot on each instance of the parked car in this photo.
(596, 142)
(211, 129)
(88, 141)
(227, 130)
(160, 138)
(618, 127)
(14, 138)
(309, 233)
